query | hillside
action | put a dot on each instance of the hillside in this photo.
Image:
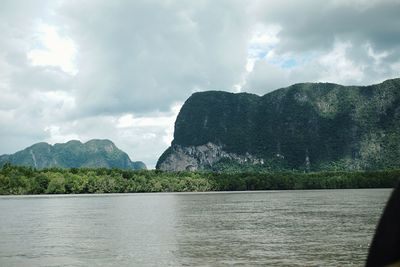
(73, 154)
(308, 126)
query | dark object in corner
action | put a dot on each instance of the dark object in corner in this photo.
(385, 247)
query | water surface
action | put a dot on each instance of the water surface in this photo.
(272, 228)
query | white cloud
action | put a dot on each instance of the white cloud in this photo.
(378, 57)
(55, 136)
(337, 67)
(54, 50)
(262, 42)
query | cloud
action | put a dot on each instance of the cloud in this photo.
(145, 55)
(121, 69)
(55, 51)
(347, 42)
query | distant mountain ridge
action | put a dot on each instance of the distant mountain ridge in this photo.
(307, 126)
(73, 154)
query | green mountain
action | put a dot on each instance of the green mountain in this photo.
(73, 154)
(307, 126)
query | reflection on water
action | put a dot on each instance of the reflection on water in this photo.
(304, 228)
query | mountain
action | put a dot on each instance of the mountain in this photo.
(307, 126)
(73, 154)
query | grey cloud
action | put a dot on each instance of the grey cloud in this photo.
(145, 55)
(40, 78)
(316, 27)
(265, 78)
(310, 24)
(19, 131)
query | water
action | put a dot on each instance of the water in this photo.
(271, 228)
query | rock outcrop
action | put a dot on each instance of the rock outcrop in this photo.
(191, 158)
(73, 154)
(308, 126)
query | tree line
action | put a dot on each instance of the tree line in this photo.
(19, 180)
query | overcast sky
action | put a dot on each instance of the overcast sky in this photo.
(122, 69)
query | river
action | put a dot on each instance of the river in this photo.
(265, 228)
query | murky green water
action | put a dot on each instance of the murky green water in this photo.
(272, 228)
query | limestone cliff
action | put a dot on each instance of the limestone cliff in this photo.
(308, 126)
(73, 154)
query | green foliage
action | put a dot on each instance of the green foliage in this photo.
(39, 184)
(56, 184)
(25, 180)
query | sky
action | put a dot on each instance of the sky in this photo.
(121, 70)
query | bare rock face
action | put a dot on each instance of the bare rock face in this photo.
(192, 158)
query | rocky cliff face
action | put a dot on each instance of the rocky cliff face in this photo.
(310, 126)
(73, 154)
(197, 157)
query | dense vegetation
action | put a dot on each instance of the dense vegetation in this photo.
(27, 180)
(73, 154)
(309, 126)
